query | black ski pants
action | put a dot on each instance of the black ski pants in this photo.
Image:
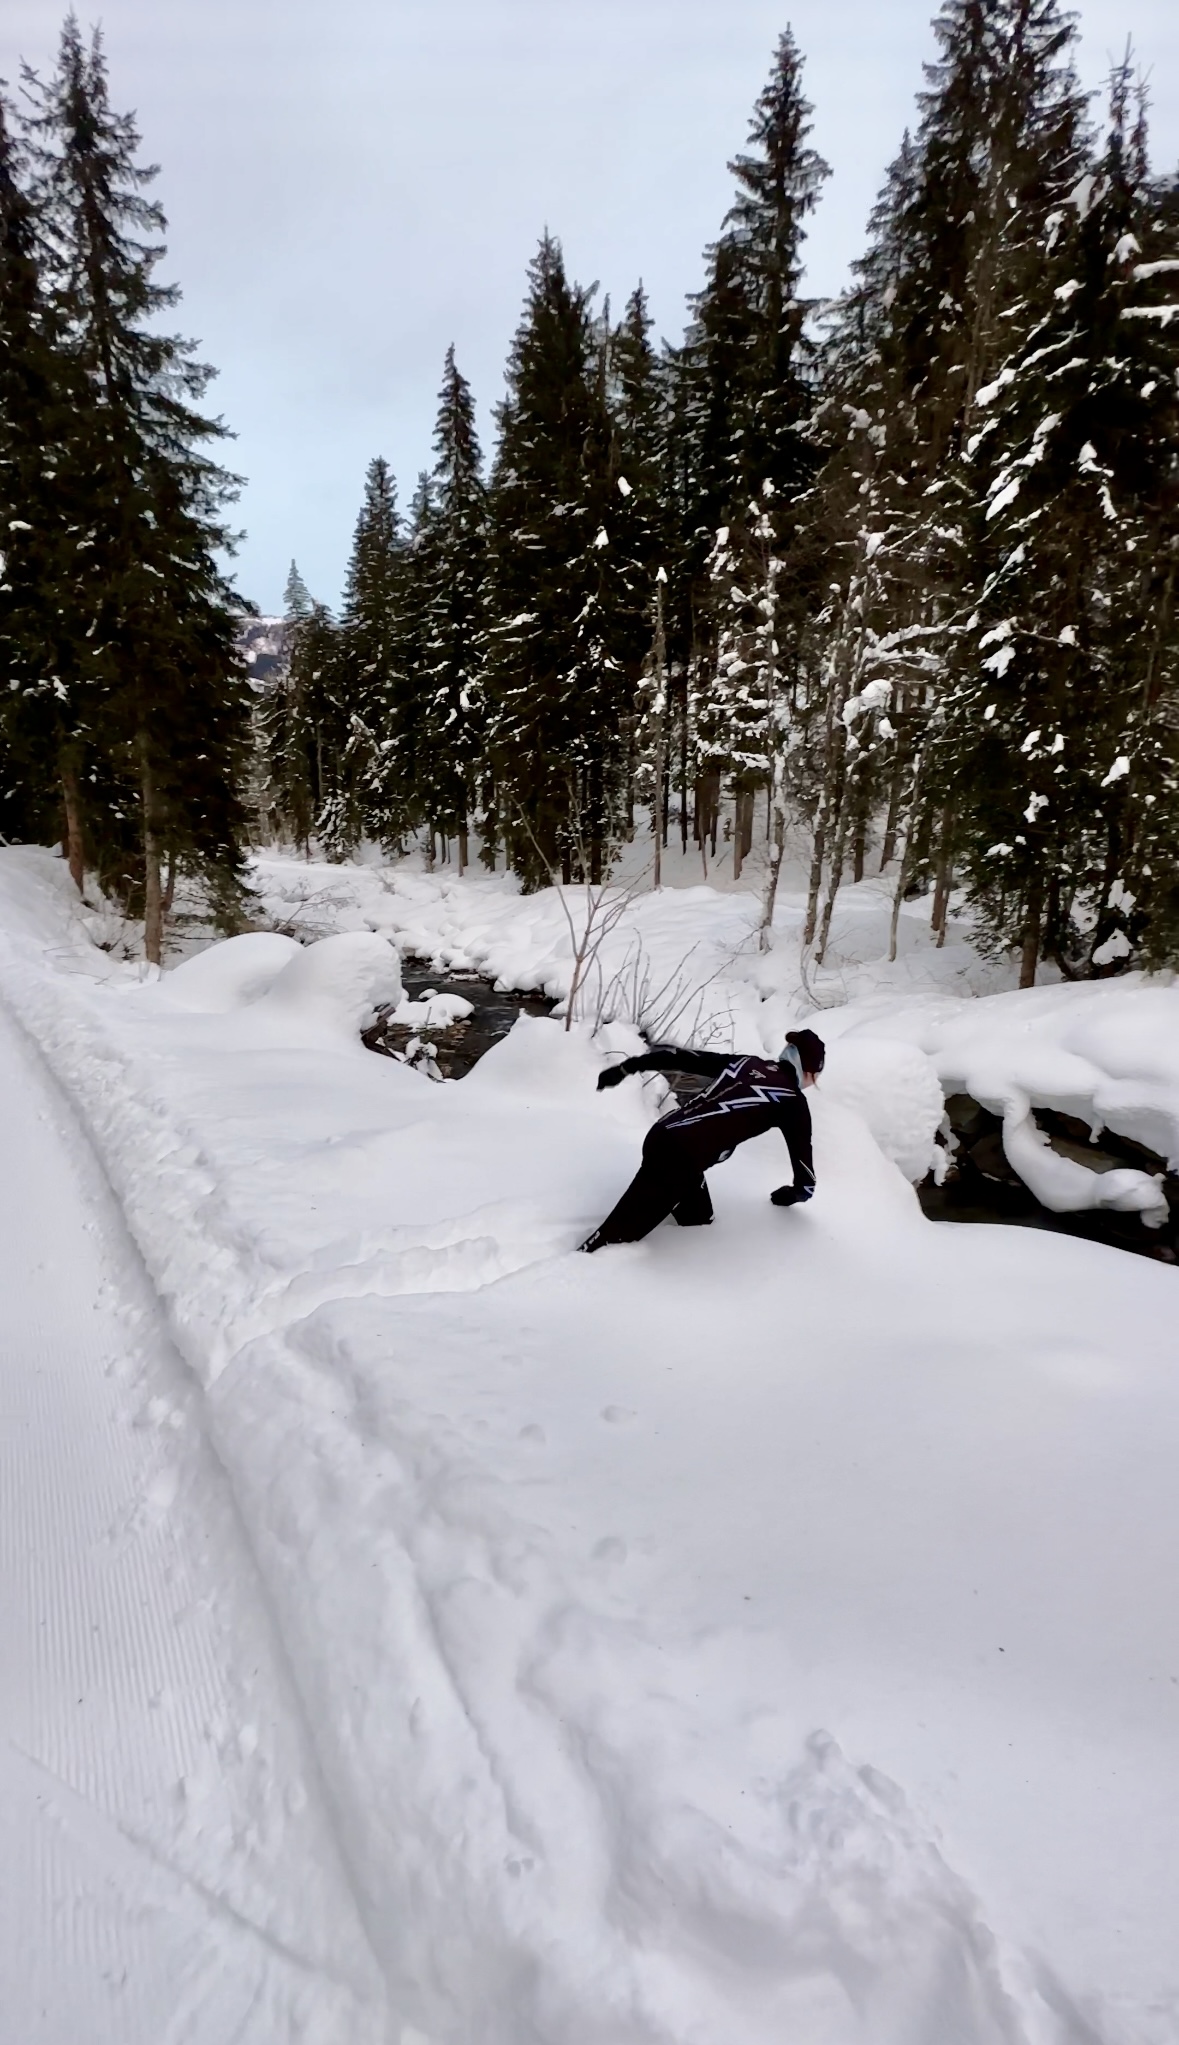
(670, 1180)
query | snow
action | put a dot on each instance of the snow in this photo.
(759, 1633)
(432, 1011)
(683, 964)
(1104, 1051)
(232, 973)
(335, 985)
(169, 1867)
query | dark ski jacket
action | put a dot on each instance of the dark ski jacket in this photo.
(747, 1097)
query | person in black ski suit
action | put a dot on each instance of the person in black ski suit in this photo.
(747, 1097)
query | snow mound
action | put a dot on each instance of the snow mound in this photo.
(1105, 1052)
(895, 1090)
(232, 974)
(335, 985)
(1066, 1187)
(542, 1059)
(432, 1011)
(860, 1190)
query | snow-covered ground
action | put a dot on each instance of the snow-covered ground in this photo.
(169, 1869)
(759, 1634)
(685, 964)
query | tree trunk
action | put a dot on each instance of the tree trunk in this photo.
(1033, 923)
(153, 897)
(859, 846)
(170, 883)
(831, 798)
(72, 798)
(916, 792)
(464, 851)
(815, 879)
(894, 921)
(835, 875)
(657, 819)
(707, 809)
(742, 828)
(944, 881)
(888, 850)
(659, 706)
(765, 936)
(684, 774)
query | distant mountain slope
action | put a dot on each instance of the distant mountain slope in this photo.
(263, 642)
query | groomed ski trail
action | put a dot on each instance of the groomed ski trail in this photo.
(169, 1873)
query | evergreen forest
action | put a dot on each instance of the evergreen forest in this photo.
(891, 576)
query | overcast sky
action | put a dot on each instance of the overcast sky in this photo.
(353, 184)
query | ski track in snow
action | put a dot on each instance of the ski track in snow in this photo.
(571, 1814)
(169, 1876)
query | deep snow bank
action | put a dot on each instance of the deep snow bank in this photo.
(1105, 1051)
(684, 966)
(759, 1633)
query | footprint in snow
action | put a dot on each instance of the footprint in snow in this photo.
(617, 1414)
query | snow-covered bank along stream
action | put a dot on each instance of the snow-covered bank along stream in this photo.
(764, 1632)
(684, 965)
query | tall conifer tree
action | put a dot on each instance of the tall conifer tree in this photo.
(372, 740)
(38, 767)
(557, 681)
(154, 677)
(453, 573)
(1057, 731)
(757, 451)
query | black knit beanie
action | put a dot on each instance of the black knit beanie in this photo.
(811, 1049)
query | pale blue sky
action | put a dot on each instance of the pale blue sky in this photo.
(353, 184)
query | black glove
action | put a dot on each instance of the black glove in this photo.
(791, 1196)
(613, 1076)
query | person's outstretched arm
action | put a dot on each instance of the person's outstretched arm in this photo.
(667, 1058)
(796, 1128)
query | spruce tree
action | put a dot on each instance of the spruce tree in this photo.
(886, 557)
(370, 740)
(451, 562)
(297, 600)
(559, 583)
(644, 526)
(1057, 732)
(290, 722)
(756, 451)
(779, 179)
(959, 244)
(153, 676)
(310, 766)
(38, 760)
